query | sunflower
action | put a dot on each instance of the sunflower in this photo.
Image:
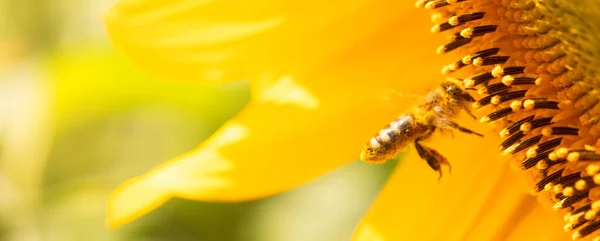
(327, 75)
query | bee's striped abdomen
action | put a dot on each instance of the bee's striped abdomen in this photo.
(392, 139)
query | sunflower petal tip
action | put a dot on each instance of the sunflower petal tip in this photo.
(132, 200)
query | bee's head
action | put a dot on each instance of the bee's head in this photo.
(455, 90)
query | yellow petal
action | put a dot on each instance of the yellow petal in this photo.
(215, 40)
(481, 200)
(133, 199)
(287, 136)
(297, 127)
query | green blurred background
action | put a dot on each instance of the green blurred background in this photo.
(77, 118)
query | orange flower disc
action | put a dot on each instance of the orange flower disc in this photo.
(537, 89)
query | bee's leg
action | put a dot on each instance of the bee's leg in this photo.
(466, 108)
(444, 130)
(440, 160)
(460, 128)
(433, 158)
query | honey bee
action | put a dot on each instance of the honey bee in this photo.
(435, 112)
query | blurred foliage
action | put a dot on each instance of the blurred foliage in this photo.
(114, 122)
(93, 81)
(33, 21)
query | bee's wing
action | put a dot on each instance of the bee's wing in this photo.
(401, 99)
(405, 95)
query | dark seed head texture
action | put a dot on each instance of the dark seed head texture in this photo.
(533, 65)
